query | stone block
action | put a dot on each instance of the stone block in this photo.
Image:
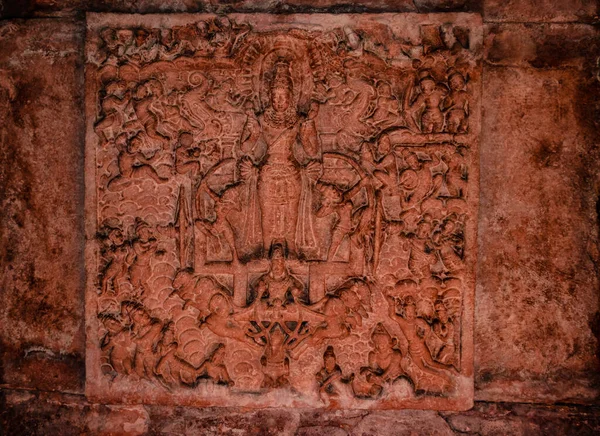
(537, 295)
(41, 198)
(542, 46)
(540, 11)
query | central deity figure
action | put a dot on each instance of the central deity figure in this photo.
(280, 152)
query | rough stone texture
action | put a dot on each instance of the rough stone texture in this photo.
(537, 297)
(524, 419)
(540, 11)
(543, 46)
(28, 8)
(41, 198)
(41, 414)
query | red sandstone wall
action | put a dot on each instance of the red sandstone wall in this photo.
(537, 321)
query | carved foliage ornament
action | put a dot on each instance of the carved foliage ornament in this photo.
(281, 210)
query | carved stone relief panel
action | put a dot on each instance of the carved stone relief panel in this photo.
(281, 210)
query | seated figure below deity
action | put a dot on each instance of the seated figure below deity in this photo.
(278, 283)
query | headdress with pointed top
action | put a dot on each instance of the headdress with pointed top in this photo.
(282, 78)
(380, 330)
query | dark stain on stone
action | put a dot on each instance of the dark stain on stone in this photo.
(555, 51)
(546, 152)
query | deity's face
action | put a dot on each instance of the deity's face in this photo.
(166, 36)
(457, 82)
(382, 342)
(205, 285)
(442, 313)
(169, 335)
(280, 99)
(297, 293)
(116, 237)
(218, 305)
(277, 339)
(140, 37)
(144, 233)
(423, 230)
(278, 263)
(125, 36)
(139, 316)
(428, 86)
(350, 299)
(108, 35)
(410, 311)
(134, 145)
(384, 90)
(219, 356)
(154, 88)
(113, 326)
(448, 227)
(117, 88)
(413, 162)
(329, 363)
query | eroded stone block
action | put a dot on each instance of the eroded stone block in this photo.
(281, 210)
(537, 301)
(41, 201)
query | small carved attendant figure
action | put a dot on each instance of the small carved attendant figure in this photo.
(329, 377)
(278, 283)
(427, 104)
(148, 104)
(456, 104)
(133, 164)
(275, 362)
(426, 374)
(333, 202)
(146, 332)
(422, 255)
(114, 107)
(117, 346)
(171, 369)
(145, 246)
(448, 239)
(116, 253)
(343, 311)
(384, 359)
(443, 329)
(221, 320)
(386, 113)
(220, 243)
(214, 366)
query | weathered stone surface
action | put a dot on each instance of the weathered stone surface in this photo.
(43, 414)
(282, 205)
(524, 419)
(540, 11)
(41, 199)
(537, 296)
(35, 413)
(28, 8)
(542, 46)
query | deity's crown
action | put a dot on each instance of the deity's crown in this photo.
(282, 77)
(380, 330)
(329, 352)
